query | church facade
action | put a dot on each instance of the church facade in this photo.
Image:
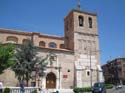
(74, 59)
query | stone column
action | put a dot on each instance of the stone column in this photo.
(44, 82)
(79, 77)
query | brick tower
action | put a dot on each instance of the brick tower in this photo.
(81, 36)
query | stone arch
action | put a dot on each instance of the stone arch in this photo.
(50, 80)
(90, 22)
(42, 44)
(81, 20)
(61, 46)
(12, 39)
(25, 41)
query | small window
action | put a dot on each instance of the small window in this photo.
(62, 46)
(81, 20)
(87, 73)
(90, 22)
(52, 45)
(68, 70)
(42, 44)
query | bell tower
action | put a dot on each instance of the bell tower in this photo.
(81, 31)
(81, 36)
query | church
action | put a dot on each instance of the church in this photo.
(74, 58)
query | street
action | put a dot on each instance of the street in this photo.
(116, 91)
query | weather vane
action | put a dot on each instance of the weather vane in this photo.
(78, 4)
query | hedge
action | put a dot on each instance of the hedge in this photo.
(7, 90)
(85, 89)
(109, 86)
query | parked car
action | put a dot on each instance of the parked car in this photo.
(99, 87)
(118, 86)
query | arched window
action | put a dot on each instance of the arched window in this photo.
(90, 22)
(52, 45)
(25, 41)
(62, 46)
(88, 73)
(12, 39)
(42, 44)
(81, 21)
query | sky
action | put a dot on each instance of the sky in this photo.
(47, 17)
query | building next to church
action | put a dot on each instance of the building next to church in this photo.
(76, 55)
(114, 71)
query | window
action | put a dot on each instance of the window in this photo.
(62, 46)
(42, 44)
(90, 22)
(52, 45)
(88, 73)
(12, 39)
(81, 20)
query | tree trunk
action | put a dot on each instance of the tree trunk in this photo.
(27, 79)
(27, 82)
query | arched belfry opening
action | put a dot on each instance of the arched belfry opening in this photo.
(51, 80)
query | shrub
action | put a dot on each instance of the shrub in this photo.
(85, 89)
(109, 86)
(7, 90)
(35, 91)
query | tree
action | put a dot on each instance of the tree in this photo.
(25, 61)
(6, 55)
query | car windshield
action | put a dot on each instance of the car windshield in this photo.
(98, 84)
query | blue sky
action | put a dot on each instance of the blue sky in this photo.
(46, 16)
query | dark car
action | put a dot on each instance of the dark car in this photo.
(99, 88)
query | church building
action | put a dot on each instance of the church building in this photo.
(75, 58)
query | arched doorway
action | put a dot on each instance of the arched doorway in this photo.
(50, 80)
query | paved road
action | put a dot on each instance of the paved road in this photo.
(116, 91)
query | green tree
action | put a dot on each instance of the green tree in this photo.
(6, 56)
(25, 61)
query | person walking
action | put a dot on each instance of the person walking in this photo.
(1, 86)
(22, 90)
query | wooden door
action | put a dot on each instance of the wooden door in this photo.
(51, 81)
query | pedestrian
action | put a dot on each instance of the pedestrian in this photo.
(1, 86)
(22, 90)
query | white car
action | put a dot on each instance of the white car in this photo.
(118, 86)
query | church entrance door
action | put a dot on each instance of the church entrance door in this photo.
(50, 80)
